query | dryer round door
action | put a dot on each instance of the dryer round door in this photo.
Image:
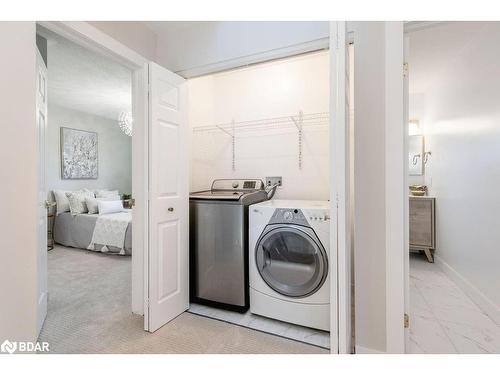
(291, 261)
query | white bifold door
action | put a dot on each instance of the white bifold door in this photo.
(168, 258)
(340, 288)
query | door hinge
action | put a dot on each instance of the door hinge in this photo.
(407, 321)
(405, 70)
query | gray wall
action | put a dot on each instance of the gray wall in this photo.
(135, 35)
(115, 151)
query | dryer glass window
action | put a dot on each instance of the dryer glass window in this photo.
(291, 262)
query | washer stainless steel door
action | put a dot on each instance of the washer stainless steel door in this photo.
(291, 260)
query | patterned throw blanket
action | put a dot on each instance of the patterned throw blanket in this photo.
(110, 230)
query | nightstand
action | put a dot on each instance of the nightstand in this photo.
(423, 225)
(50, 233)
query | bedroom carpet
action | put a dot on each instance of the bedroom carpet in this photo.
(89, 312)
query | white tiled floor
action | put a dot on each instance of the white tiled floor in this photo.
(442, 318)
(263, 324)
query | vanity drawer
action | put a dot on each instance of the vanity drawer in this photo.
(422, 222)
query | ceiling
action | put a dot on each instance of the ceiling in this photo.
(86, 81)
(165, 27)
(434, 50)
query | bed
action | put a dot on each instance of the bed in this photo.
(76, 231)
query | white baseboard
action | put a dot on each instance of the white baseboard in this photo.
(364, 350)
(41, 311)
(484, 303)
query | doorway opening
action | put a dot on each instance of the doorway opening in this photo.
(453, 133)
(167, 98)
(86, 174)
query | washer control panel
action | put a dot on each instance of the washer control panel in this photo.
(242, 185)
(297, 216)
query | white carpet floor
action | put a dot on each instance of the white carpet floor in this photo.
(89, 312)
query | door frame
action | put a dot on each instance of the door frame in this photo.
(396, 190)
(92, 38)
(397, 251)
(42, 297)
(406, 119)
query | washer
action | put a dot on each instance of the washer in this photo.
(219, 242)
(289, 255)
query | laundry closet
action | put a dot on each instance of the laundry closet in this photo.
(259, 106)
(260, 185)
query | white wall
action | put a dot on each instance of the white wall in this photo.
(133, 34)
(378, 117)
(198, 45)
(462, 130)
(280, 88)
(18, 173)
(369, 189)
(114, 151)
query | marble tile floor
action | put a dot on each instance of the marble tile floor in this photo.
(263, 324)
(443, 319)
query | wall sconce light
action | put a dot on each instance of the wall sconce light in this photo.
(426, 156)
(414, 127)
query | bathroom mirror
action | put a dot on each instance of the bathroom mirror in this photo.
(416, 155)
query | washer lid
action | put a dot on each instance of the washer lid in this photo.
(291, 260)
(217, 194)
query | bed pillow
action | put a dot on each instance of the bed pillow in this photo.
(109, 207)
(62, 202)
(102, 193)
(77, 203)
(92, 203)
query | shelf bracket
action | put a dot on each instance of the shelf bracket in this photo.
(225, 131)
(233, 143)
(298, 123)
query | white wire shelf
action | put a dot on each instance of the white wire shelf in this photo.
(273, 123)
(298, 122)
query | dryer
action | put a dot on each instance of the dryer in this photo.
(289, 257)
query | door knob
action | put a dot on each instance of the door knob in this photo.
(171, 209)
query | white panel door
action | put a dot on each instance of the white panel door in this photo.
(168, 280)
(41, 123)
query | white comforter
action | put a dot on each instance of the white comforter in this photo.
(110, 231)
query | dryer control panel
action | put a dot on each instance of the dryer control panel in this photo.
(319, 216)
(288, 216)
